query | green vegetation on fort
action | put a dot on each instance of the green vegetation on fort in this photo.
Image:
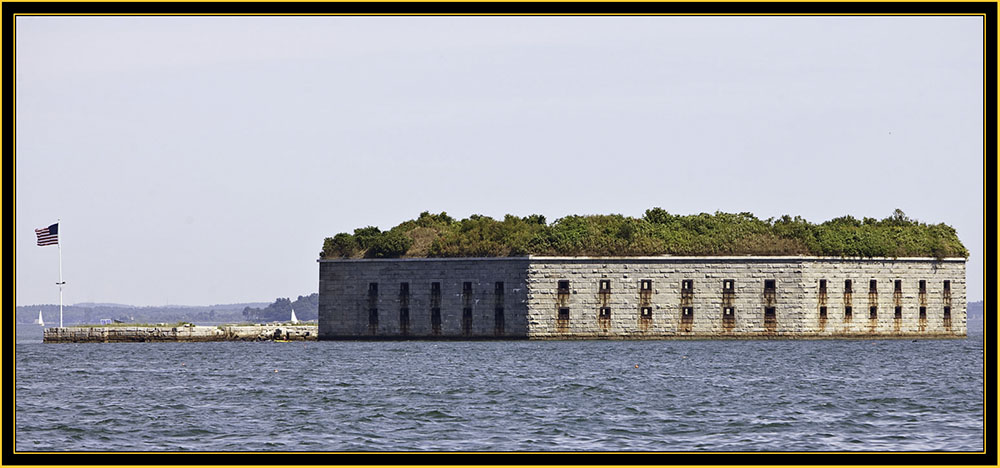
(656, 233)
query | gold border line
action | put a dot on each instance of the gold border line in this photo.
(692, 453)
(497, 14)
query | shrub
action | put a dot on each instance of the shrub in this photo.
(341, 245)
(656, 233)
(366, 236)
(391, 244)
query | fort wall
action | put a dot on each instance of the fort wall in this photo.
(443, 298)
(642, 298)
(743, 297)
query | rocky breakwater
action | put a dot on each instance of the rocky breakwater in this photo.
(120, 334)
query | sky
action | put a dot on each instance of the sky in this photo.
(203, 160)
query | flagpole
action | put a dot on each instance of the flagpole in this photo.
(61, 282)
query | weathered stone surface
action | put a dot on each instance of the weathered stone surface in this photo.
(531, 301)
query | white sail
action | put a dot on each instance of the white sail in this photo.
(294, 320)
(39, 320)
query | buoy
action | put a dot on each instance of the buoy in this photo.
(636, 366)
(276, 370)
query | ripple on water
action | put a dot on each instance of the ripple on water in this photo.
(706, 395)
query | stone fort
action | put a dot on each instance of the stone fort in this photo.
(561, 298)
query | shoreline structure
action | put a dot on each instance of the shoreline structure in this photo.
(635, 298)
(611, 277)
(192, 333)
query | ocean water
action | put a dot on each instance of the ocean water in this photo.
(881, 395)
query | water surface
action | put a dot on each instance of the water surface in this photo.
(502, 396)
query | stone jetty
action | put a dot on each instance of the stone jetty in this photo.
(119, 334)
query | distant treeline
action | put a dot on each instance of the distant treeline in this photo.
(94, 313)
(656, 233)
(306, 308)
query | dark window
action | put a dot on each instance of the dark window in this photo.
(404, 289)
(498, 288)
(404, 318)
(923, 313)
(898, 286)
(923, 286)
(466, 320)
(564, 286)
(498, 320)
(564, 313)
(947, 286)
(436, 298)
(605, 285)
(769, 285)
(687, 285)
(899, 313)
(822, 313)
(646, 285)
(769, 314)
(372, 317)
(848, 311)
(688, 312)
(822, 286)
(605, 313)
(873, 312)
(436, 318)
(467, 287)
(728, 312)
(647, 312)
(947, 312)
(728, 285)
(848, 284)
(372, 289)
(873, 286)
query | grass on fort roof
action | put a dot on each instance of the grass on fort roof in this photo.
(657, 232)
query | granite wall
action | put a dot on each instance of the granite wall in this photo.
(641, 298)
(423, 298)
(742, 297)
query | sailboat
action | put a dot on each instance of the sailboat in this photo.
(294, 320)
(39, 320)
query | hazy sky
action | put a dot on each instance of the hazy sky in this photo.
(202, 160)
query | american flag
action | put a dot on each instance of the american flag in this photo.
(49, 235)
